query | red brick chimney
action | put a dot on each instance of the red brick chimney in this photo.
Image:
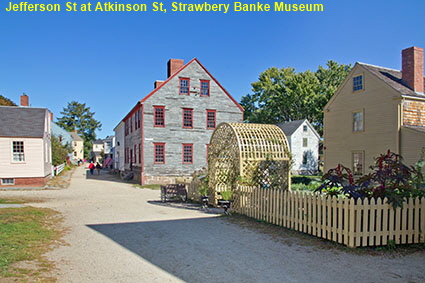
(412, 68)
(51, 116)
(24, 100)
(174, 65)
(157, 84)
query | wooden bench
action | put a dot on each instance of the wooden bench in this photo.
(173, 192)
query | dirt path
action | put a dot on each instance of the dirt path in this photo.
(118, 233)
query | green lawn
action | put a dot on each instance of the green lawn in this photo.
(25, 235)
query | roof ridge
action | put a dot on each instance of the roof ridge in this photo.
(376, 66)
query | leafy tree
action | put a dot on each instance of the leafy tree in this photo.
(282, 95)
(59, 151)
(77, 116)
(6, 101)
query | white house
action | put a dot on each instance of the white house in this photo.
(119, 147)
(25, 146)
(304, 145)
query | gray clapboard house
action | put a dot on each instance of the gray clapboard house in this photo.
(304, 145)
(166, 134)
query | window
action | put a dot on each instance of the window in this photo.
(187, 153)
(7, 181)
(187, 118)
(135, 120)
(140, 153)
(184, 86)
(159, 116)
(210, 119)
(131, 124)
(357, 83)
(205, 88)
(305, 158)
(358, 121)
(18, 151)
(305, 142)
(357, 163)
(135, 153)
(139, 117)
(305, 128)
(159, 153)
(131, 156)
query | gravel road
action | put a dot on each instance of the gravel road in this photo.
(119, 233)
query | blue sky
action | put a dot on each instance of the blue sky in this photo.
(110, 60)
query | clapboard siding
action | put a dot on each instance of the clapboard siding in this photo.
(34, 164)
(380, 105)
(173, 134)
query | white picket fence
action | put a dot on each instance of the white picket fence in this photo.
(58, 169)
(368, 222)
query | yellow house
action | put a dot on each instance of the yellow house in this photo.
(77, 146)
(376, 109)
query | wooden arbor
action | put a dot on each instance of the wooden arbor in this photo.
(248, 155)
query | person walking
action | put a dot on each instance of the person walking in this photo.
(98, 167)
(91, 167)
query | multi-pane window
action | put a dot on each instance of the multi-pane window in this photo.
(357, 83)
(187, 118)
(18, 151)
(305, 128)
(187, 153)
(159, 153)
(159, 116)
(139, 117)
(140, 153)
(305, 142)
(7, 181)
(205, 88)
(184, 86)
(358, 121)
(358, 163)
(211, 119)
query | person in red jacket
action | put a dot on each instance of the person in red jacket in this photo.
(91, 167)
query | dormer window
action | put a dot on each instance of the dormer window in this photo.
(184, 86)
(357, 83)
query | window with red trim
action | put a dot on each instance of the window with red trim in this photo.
(205, 88)
(140, 153)
(159, 153)
(139, 117)
(187, 118)
(188, 153)
(135, 120)
(184, 86)
(159, 116)
(131, 124)
(211, 121)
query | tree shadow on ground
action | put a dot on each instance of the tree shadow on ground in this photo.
(105, 175)
(198, 250)
(188, 206)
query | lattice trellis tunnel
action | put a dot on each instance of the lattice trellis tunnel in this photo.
(248, 155)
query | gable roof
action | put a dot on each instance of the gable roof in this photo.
(22, 121)
(184, 67)
(75, 136)
(289, 128)
(392, 78)
(174, 75)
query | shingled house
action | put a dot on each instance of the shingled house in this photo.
(376, 109)
(25, 148)
(167, 132)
